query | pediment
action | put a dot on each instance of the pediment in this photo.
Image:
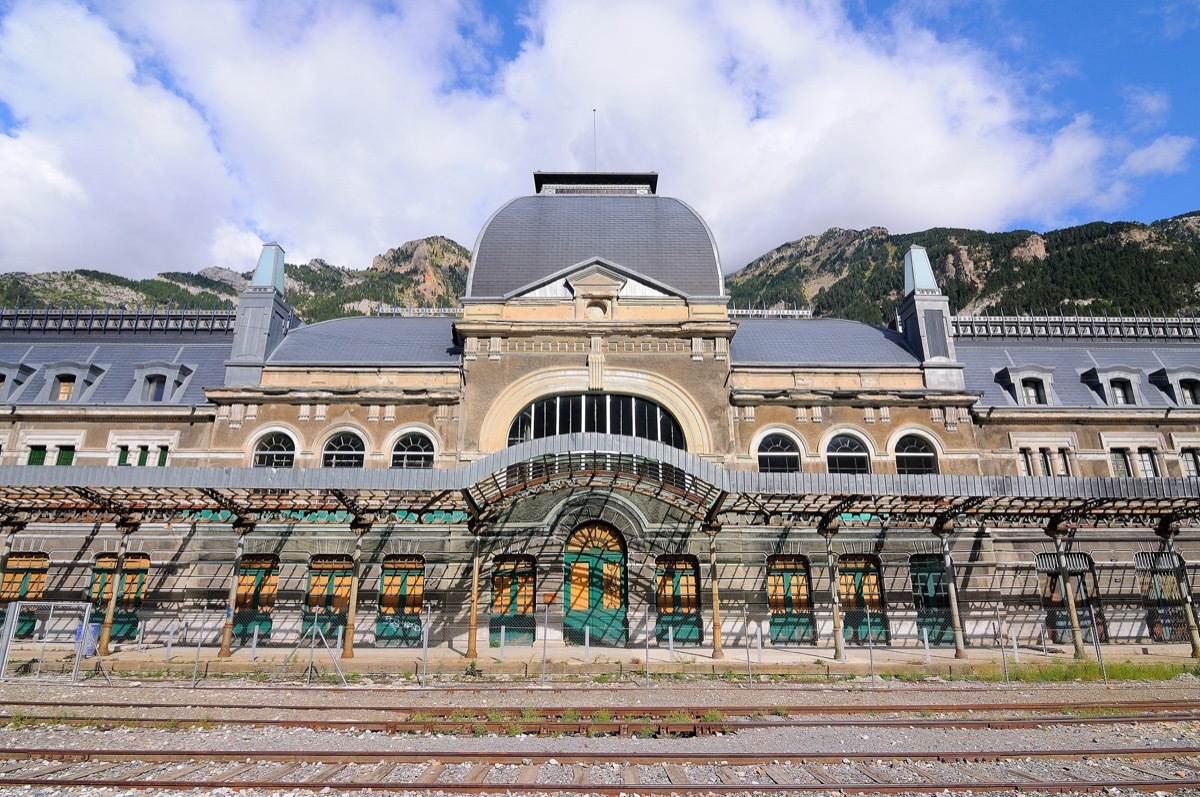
(596, 277)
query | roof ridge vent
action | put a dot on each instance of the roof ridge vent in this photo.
(601, 183)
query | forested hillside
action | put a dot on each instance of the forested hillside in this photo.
(1097, 268)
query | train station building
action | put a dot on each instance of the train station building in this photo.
(597, 449)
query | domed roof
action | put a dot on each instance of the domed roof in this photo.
(535, 237)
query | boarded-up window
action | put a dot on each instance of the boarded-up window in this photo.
(677, 579)
(859, 582)
(132, 582)
(402, 584)
(258, 582)
(329, 578)
(788, 584)
(24, 577)
(514, 582)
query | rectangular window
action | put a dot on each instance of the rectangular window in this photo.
(66, 455)
(162, 456)
(1120, 463)
(37, 455)
(123, 455)
(1146, 463)
(143, 455)
(155, 388)
(1047, 464)
(1064, 456)
(1190, 458)
(64, 388)
(1025, 462)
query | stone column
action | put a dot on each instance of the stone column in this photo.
(1055, 532)
(360, 529)
(828, 529)
(1167, 529)
(944, 530)
(242, 528)
(717, 651)
(125, 528)
(473, 623)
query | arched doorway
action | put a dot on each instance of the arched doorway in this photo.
(595, 586)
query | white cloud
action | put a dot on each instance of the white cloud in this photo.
(108, 170)
(1165, 155)
(1145, 107)
(159, 138)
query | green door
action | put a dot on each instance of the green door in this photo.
(258, 582)
(789, 596)
(860, 591)
(514, 585)
(931, 598)
(594, 584)
(401, 594)
(328, 596)
(678, 595)
(130, 588)
(24, 580)
(1162, 595)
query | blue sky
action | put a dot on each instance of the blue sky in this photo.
(141, 136)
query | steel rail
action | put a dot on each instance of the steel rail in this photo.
(429, 779)
(626, 727)
(451, 756)
(547, 712)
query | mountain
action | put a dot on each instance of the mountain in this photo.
(430, 272)
(1093, 268)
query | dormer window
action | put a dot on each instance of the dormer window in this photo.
(64, 387)
(1121, 391)
(1189, 392)
(1028, 385)
(1033, 391)
(154, 388)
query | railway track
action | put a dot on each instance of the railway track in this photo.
(617, 721)
(1146, 769)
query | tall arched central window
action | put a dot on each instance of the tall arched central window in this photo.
(596, 412)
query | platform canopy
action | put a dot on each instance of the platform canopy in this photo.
(480, 492)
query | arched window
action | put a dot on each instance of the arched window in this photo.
(413, 450)
(344, 450)
(596, 412)
(778, 453)
(275, 450)
(847, 454)
(915, 456)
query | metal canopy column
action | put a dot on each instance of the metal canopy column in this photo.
(125, 528)
(242, 527)
(360, 528)
(473, 622)
(1055, 530)
(717, 651)
(1167, 529)
(943, 529)
(828, 528)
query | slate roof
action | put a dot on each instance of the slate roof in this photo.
(533, 237)
(117, 354)
(1070, 361)
(373, 340)
(817, 341)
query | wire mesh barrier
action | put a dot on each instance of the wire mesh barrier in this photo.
(549, 639)
(45, 641)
